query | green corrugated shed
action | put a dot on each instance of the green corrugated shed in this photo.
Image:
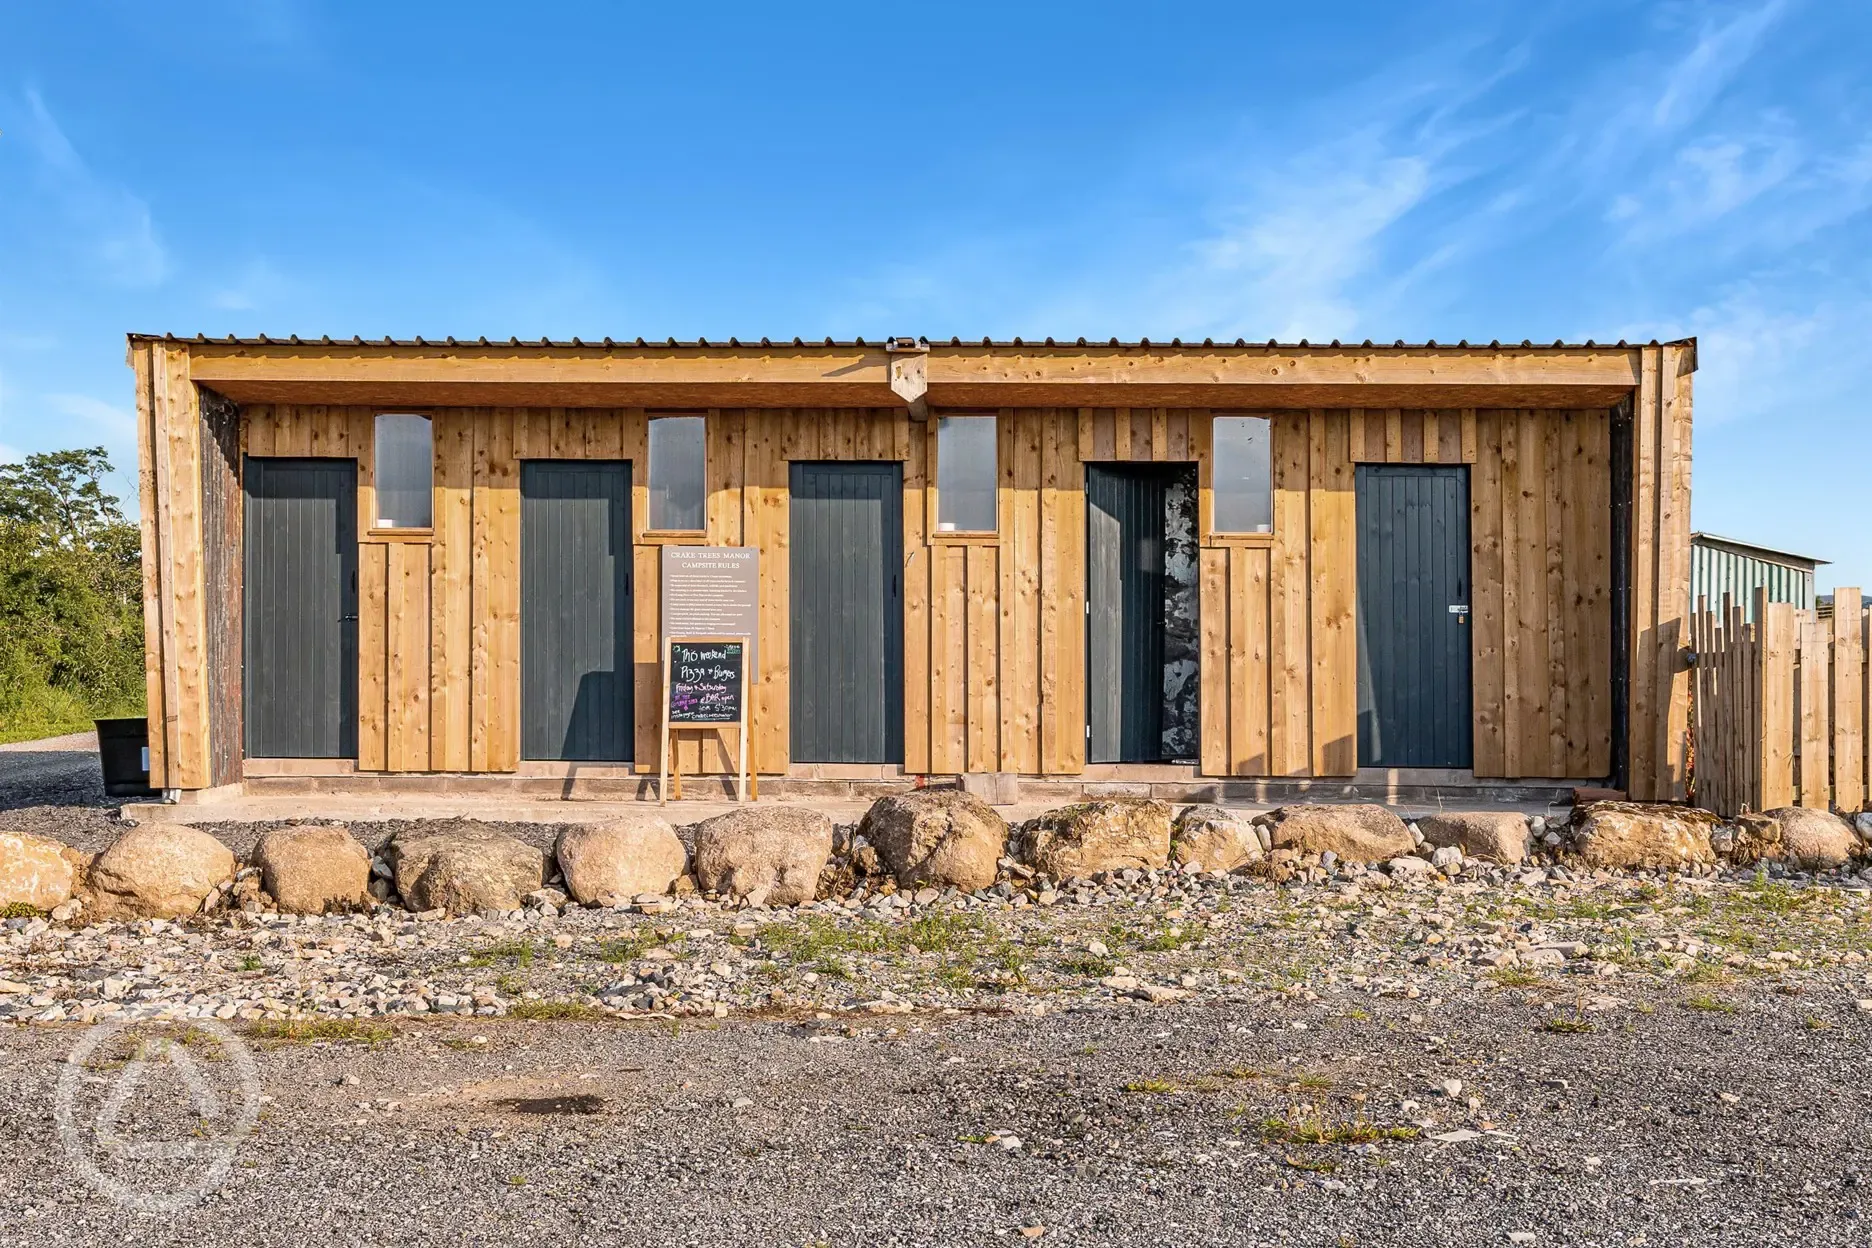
(1723, 565)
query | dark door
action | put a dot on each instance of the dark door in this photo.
(1413, 616)
(299, 672)
(576, 662)
(1125, 600)
(846, 574)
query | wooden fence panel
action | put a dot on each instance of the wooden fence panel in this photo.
(1780, 707)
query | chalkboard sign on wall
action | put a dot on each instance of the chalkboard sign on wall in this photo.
(705, 682)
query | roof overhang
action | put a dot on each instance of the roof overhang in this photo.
(953, 375)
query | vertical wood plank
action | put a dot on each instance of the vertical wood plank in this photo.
(983, 671)
(917, 682)
(1333, 557)
(1555, 433)
(451, 619)
(1513, 712)
(1215, 669)
(1848, 711)
(1642, 729)
(1248, 661)
(1815, 738)
(1289, 592)
(1487, 654)
(406, 658)
(373, 679)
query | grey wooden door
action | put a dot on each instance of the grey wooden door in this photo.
(1413, 616)
(846, 589)
(576, 662)
(299, 603)
(1124, 614)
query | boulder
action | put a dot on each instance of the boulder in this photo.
(1634, 834)
(1497, 835)
(770, 855)
(1112, 834)
(463, 868)
(620, 858)
(314, 868)
(1812, 840)
(38, 872)
(936, 836)
(160, 871)
(1357, 833)
(1215, 838)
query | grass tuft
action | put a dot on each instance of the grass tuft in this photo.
(329, 1030)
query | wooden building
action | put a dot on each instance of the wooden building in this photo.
(1205, 566)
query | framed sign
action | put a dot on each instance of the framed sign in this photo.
(712, 591)
(705, 687)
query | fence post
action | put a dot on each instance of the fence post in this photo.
(1848, 702)
(1775, 676)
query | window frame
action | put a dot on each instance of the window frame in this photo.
(937, 536)
(1211, 535)
(650, 534)
(373, 528)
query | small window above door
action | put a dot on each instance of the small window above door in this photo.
(403, 473)
(1242, 474)
(966, 472)
(678, 468)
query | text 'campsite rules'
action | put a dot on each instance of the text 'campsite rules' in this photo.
(712, 591)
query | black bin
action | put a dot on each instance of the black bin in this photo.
(123, 751)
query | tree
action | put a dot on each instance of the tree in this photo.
(71, 618)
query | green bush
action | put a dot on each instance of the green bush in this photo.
(71, 597)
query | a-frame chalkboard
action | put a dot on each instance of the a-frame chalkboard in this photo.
(705, 686)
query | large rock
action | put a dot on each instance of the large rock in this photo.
(770, 855)
(936, 837)
(620, 858)
(1215, 838)
(162, 871)
(1357, 833)
(38, 872)
(314, 868)
(1812, 840)
(1497, 835)
(463, 868)
(1633, 834)
(1108, 835)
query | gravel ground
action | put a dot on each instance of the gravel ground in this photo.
(1481, 1055)
(1135, 1124)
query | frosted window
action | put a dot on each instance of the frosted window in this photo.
(405, 472)
(1242, 473)
(965, 474)
(676, 473)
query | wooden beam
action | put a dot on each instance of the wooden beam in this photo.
(968, 376)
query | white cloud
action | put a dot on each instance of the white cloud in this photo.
(1720, 52)
(107, 416)
(1298, 243)
(110, 226)
(257, 285)
(10, 456)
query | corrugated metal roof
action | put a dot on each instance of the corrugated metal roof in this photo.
(294, 340)
(1751, 548)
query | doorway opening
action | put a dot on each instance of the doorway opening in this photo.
(1143, 633)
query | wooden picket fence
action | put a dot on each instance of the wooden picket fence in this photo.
(1779, 707)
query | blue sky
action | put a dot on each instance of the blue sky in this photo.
(1484, 171)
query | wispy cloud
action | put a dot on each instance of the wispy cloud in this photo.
(257, 285)
(112, 418)
(1722, 48)
(109, 226)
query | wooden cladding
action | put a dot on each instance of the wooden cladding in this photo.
(994, 645)
(1658, 736)
(1540, 555)
(995, 623)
